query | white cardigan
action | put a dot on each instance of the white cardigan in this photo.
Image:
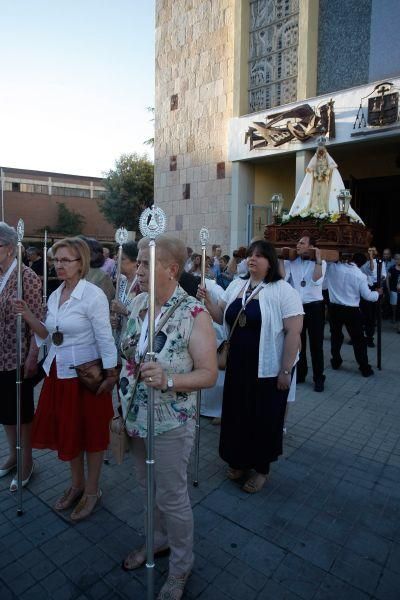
(278, 301)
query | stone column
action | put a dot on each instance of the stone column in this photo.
(242, 195)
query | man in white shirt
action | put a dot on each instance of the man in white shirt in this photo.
(368, 309)
(306, 276)
(346, 284)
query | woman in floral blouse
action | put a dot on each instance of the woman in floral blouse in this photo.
(186, 362)
(32, 292)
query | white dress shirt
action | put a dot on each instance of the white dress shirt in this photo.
(299, 270)
(278, 301)
(346, 283)
(372, 274)
(84, 321)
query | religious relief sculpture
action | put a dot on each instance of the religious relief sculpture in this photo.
(320, 187)
(300, 123)
(383, 108)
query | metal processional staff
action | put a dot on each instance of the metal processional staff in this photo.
(20, 236)
(121, 237)
(204, 237)
(151, 223)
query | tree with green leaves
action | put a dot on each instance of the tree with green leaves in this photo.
(69, 222)
(129, 190)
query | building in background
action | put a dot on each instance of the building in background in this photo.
(227, 68)
(34, 196)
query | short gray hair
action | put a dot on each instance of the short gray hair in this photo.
(8, 236)
(168, 249)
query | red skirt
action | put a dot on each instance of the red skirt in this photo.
(70, 419)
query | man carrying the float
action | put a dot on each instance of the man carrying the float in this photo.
(306, 276)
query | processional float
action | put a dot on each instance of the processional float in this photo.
(322, 211)
(151, 223)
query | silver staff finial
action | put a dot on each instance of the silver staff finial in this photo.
(20, 230)
(121, 236)
(204, 236)
(152, 222)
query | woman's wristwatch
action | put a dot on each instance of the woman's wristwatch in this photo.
(170, 385)
(285, 372)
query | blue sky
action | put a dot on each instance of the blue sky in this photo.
(76, 78)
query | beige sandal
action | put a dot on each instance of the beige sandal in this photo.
(69, 497)
(137, 558)
(234, 474)
(86, 506)
(174, 587)
(255, 483)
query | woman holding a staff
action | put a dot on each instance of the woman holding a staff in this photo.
(31, 288)
(70, 418)
(128, 286)
(185, 351)
(264, 315)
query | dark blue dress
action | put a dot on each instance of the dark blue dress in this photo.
(253, 409)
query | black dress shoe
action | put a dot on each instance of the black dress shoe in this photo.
(336, 363)
(319, 386)
(370, 344)
(366, 371)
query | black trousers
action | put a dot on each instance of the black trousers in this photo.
(368, 311)
(351, 317)
(313, 323)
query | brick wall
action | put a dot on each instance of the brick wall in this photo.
(194, 95)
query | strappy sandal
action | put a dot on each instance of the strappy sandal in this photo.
(86, 506)
(174, 587)
(255, 483)
(69, 497)
(234, 474)
(137, 558)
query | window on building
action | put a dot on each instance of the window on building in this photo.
(15, 186)
(273, 53)
(99, 194)
(70, 192)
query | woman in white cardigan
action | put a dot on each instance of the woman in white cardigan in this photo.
(263, 351)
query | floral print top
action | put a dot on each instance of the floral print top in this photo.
(171, 409)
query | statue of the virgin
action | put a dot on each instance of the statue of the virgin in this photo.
(321, 186)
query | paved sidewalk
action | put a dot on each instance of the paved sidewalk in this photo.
(326, 527)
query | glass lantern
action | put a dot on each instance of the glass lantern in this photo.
(276, 206)
(344, 199)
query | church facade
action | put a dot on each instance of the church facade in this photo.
(243, 89)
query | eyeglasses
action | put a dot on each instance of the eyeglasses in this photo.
(65, 261)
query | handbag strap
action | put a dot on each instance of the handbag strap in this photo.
(234, 324)
(161, 324)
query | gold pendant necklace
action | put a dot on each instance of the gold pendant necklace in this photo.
(242, 319)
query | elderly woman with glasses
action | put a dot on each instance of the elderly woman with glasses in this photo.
(186, 362)
(8, 354)
(70, 418)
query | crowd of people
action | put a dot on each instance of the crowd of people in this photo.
(267, 309)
